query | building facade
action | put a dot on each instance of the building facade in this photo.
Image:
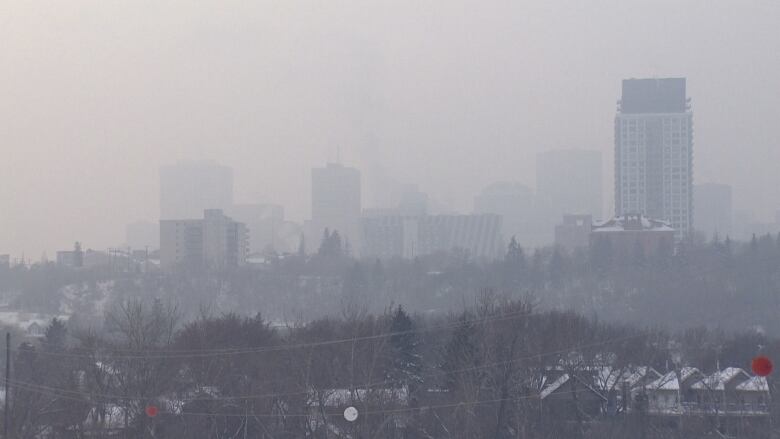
(216, 241)
(335, 203)
(574, 232)
(410, 237)
(623, 235)
(654, 152)
(265, 223)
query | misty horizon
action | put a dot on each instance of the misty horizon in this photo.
(451, 99)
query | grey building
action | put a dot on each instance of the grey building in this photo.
(216, 241)
(335, 203)
(188, 188)
(713, 211)
(574, 232)
(654, 152)
(409, 237)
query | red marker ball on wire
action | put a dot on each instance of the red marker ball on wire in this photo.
(151, 411)
(762, 366)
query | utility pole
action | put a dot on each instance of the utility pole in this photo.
(7, 383)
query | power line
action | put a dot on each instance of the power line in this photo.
(364, 386)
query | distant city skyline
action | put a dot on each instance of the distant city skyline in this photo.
(449, 98)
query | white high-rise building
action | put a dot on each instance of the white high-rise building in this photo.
(335, 203)
(188, 188)
(654, 152)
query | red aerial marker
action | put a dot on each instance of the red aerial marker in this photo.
(762, 366)
(151, 411)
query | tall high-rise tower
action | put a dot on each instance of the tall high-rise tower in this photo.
(654, 152)
(336, 202)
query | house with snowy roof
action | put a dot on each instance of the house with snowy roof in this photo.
(616, 383)
(730, 391)
(753, 395)
(717, 390)
(663, 395)
(568, 394)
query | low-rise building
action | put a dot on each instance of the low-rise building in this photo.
(216, 241)
(626, 234)
(574, 232)
(413, 236)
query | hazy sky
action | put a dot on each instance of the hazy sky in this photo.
(451, 95)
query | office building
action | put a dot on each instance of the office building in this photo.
(216, 241)
(189, 188)
(654, 152)
(574, 232)
(713, 212)
(568, 181)
(624, 234)
(410, 237)
(335, 203)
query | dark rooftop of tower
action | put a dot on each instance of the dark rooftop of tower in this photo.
(666, 95)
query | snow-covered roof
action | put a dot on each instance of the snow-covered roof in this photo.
(687, 372)
(632, 222)
(718, 380)
(555, 385)
(340, 397)
(610, 378)
(755, 384)
(667, 382)
(563, 379)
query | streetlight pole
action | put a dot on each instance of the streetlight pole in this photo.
(7, 383)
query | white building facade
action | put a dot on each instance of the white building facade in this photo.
(654, 152)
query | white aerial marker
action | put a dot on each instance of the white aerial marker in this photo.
(351, 414)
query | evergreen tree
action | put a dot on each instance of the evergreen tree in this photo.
(55, 336)
(536, 272)
(514, 266)
(556, 268)
(461, 351)
(336, 248)
(406, 363)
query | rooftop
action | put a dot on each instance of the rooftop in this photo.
(632, 222)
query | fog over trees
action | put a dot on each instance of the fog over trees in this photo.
(443, 346)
